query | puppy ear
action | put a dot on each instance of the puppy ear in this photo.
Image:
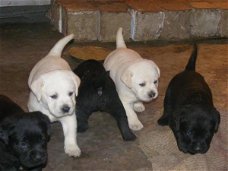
(216, 116)
(155, 66)
(3, 135)
(36, 88)
(178, 117)
(77, 82)
(47, 122)
(126, 78)
(158, 71)
(175, 122)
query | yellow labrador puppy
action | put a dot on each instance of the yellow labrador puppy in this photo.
(53, 89)
(136, 79)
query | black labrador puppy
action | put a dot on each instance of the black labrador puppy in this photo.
(189, 110)
(97, 92)
(23, 137)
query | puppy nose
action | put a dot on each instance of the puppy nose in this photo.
(65, 108)
(151, 94)
(198, 147)
(39, 156)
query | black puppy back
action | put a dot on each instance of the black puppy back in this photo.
(97, 92)
(8, 107)
(192, 60)
(90, 68)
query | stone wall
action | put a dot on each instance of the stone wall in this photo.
(91, 21)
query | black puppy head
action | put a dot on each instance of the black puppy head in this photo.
(27, 136)
(195, 127)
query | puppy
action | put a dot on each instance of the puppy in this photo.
(23, 137)
(97, 92)
(136, 79)
(189, 110)
(53, 89)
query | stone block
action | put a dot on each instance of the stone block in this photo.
(146, 26)
(176, 26)
(204, 23)
(109, 24)
(63, 20)
(54, 15)
(223, 25)
(84, 25)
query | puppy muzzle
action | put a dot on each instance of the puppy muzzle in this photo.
(34, 159)
(193, 148)
(152, 95)
(198, 147)
(65, 109)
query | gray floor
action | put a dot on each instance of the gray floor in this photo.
(22, 45)
(24, 14)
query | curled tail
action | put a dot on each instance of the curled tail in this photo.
(59, 46)
(119, 39)
(192, 60)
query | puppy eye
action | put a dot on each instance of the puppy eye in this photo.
(55, 96)
(71, 93)
(142, 84)
(188, 133)
(24, 145)
(156, 81)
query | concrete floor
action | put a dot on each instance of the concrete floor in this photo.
(22, 45)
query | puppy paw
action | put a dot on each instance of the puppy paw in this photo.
(139, 107)
(135, 125)
(163, 122)
(72, 150)
(129, 137)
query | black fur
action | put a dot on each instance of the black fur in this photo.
(23, 136)
(8, 162)
(97, 92)
(189, 110)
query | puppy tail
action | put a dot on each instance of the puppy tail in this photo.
(59, 46)
(119, 39)
(192, 60)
